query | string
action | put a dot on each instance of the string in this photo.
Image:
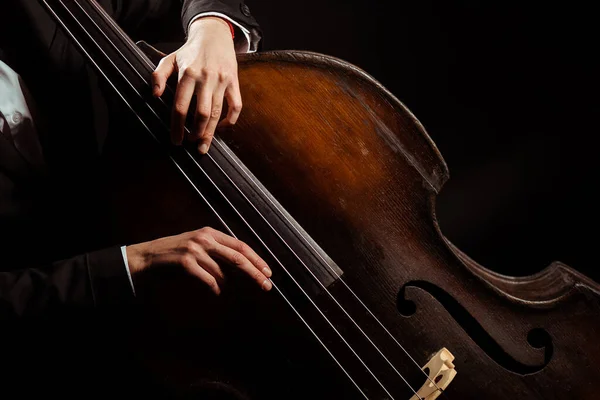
(270, 226)
(274, 204)
(353, 293)
(241, 217)
(151, 68)
(198, 191)
(225, 149)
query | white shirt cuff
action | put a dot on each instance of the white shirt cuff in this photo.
(241, 46)
(124, 253)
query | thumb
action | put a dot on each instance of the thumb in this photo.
(165, 68)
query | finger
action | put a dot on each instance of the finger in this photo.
(183, 98)
(234, 104)
(215, 114)
(163, 71)
(242, 248)
(240, 261)
(206, 262)
(190, 263)
(203, 107)
(208, 238)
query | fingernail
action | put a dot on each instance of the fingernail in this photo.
(204, 148)
(267, 272)
(267, 285)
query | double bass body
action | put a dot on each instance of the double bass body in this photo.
(357, 172)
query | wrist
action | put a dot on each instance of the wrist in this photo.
(203, 22)
(136, 258)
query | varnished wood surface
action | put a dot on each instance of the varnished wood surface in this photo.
(360, 175)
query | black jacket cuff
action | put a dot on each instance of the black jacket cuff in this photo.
(108, 277)
(235, 10)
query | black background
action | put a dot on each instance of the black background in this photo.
(507, 91)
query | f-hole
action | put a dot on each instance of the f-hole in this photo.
(537, 337)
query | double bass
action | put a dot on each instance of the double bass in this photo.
(333, 181)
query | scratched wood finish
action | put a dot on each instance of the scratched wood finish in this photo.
(357, 170)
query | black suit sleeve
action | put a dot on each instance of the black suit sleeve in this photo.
(165, 20)
(95, 279)
(235, 9)
(98, 278)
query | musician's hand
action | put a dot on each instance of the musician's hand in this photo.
(197, 252)
(207, 67)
